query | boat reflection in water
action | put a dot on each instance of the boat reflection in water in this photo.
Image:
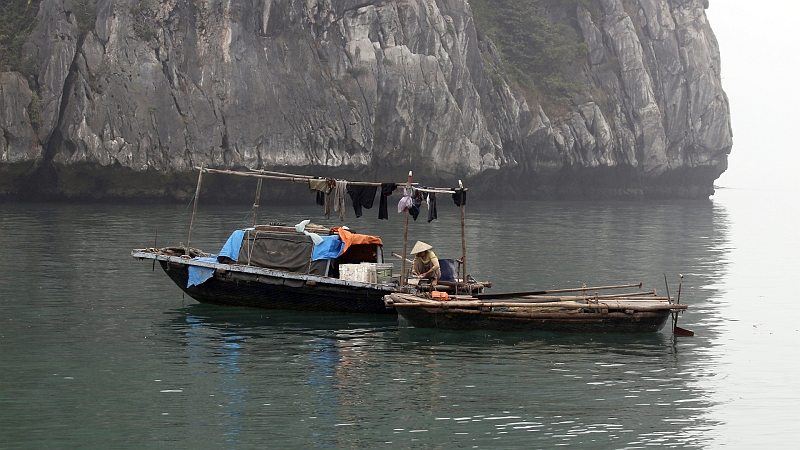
(328, 379)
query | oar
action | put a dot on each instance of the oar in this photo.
(400, 257)
(553, 291)
(676, 330)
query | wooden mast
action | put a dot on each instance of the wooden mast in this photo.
(405, 239)
(255, 204)
(194, 209)
(463, 236)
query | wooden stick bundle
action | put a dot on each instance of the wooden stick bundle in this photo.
(559, 305)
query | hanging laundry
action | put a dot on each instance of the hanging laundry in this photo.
(362, 196)
(417, 204)
(406, 202)
(460, 193)
(323, 188)
(340, 197)
(301, 228)
(432, 213)
(383, 207)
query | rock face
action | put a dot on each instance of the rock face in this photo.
(366, 89)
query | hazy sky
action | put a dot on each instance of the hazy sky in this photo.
(761, 75)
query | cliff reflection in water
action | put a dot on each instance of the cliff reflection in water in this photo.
(160, 368)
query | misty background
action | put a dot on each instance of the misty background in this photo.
(760, 66)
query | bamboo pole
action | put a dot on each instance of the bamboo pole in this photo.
(551, 299)
(405, 240)
(555, 291)
(559, 305)
(463, 237)
(401, 257)
(293, 179)
(255, 204)
(194, 209)
(267, 172)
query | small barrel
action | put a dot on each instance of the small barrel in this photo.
(383, 273)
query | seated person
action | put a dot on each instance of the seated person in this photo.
(426, 264)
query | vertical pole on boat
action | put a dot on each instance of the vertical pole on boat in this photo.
(194, 208)
(255, 205)
(463, 238)
(405, 240)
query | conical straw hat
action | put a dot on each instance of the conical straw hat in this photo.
(420, 247)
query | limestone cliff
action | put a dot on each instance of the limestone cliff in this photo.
(368, 89)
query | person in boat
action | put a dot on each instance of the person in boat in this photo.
(426, 264)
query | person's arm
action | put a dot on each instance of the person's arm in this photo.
(434, 266)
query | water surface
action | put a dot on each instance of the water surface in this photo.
(98, 350)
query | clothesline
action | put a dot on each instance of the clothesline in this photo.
(291, 178)
(440, 190)
(305, 178)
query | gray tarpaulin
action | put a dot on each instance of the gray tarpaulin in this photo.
(282, 251)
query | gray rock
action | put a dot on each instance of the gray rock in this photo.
(18, 143)
(363, 88)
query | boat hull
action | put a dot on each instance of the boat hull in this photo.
(231, 288)
(613, 315)
(453, 319)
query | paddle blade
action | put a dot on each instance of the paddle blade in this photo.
(678, 331)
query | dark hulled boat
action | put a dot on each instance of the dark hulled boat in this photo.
(304, 267)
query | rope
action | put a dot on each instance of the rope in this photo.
(245, 217)
(181, 219)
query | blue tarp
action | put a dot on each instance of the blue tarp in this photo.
(331, 247)
(199, 275)
(232, 246)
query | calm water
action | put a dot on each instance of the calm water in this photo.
(97, 350)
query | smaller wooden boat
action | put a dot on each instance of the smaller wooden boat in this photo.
(580, 310)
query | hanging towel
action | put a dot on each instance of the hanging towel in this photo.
(362, 196)
(383, 207)
(340, 198)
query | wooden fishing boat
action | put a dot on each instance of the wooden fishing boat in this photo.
(573, 310)
(279, 267)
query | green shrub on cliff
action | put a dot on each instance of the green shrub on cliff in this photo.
(537, 41)
(17, 21)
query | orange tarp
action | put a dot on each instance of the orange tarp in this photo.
(352, 238)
